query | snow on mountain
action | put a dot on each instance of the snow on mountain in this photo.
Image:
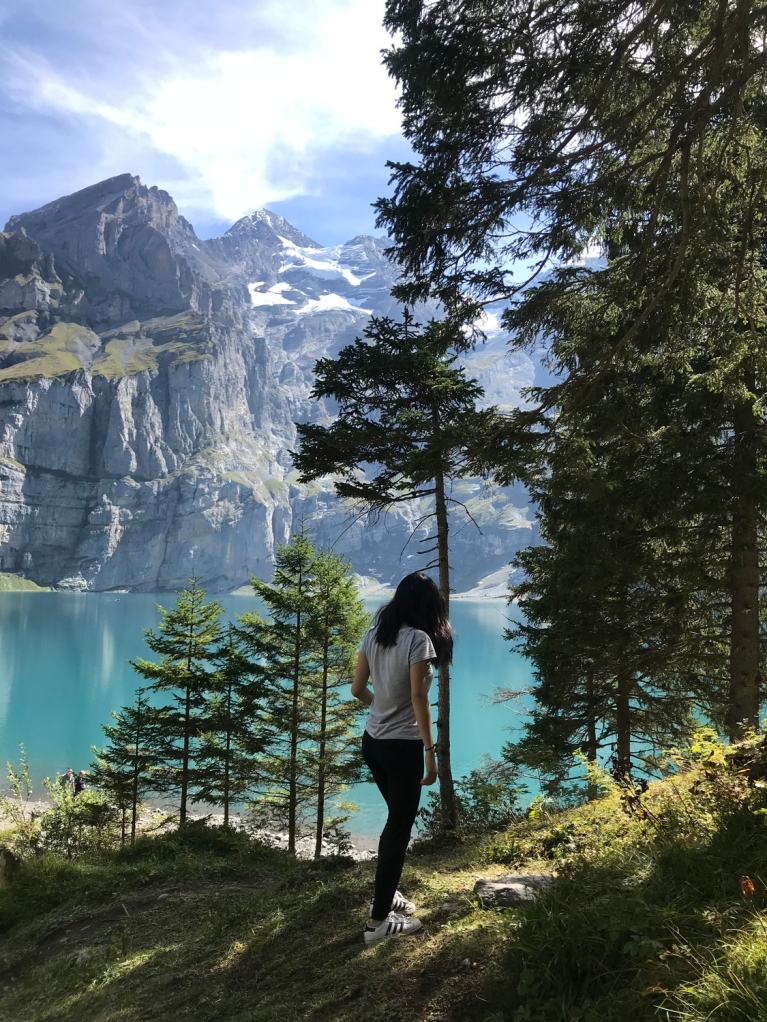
(176, 368)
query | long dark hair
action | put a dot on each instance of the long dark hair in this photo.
(417, 602)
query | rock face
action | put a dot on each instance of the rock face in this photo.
(149, 386)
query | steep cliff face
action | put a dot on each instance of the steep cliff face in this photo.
(149, 383)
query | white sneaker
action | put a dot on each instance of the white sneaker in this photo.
(393, 925)
(399, 904)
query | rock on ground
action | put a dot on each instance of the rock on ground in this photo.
(511, 889)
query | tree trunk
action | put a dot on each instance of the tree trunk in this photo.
(136, 771)
(228, 749)
(187, 725)
(745, 680)
(321, 764)
(623, 727)
(292, 782)
(444, 768)
(591, 750)
(185, 757)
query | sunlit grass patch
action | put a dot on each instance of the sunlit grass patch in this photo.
(646, 920)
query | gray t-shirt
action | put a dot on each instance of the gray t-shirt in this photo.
(391, 713)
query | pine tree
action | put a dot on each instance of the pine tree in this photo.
(123, 769)
(283, 649)
(639, 482)
(652, 145)
(185, 643)
(623, 649)
(532, 120)
(406, 408)
(336, 624)
(231, 736)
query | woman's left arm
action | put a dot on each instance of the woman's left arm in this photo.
(360, 688)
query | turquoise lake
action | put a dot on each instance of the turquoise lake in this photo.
(63, 664)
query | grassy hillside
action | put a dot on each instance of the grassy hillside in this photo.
(646, 920)
(16, 583)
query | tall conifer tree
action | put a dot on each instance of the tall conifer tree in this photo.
(124, 768)
(231, 733)
(337, 622)
(406, 409)
(283, 648)
(185, 642)
(652, 145)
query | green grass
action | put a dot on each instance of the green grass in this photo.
(176, 339)
(110, 364)
(17, 583)
(645, 921)
(54, 354)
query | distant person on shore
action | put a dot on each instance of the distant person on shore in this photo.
(79, 784)
(67, 780)
(409, 634)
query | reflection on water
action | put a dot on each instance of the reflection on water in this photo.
(63, 668)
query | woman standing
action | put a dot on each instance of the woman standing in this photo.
(409, 634)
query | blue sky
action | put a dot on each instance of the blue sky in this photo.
(227, 105)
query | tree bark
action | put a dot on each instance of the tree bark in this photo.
(744, 696)
(591, 747)
(293, 778)
(228, 750)
(136, 767)
(185, 757)
(444, 767)
(623, 726)
(187, 726)
(322, 752)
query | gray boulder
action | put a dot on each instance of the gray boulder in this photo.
(512, 889)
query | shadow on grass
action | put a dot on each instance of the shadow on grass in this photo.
(628, 937)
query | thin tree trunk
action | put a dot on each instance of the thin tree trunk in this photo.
(591, 747)
(185, 758)
(745, 680)
(323, 745)
(623, 726)
(134, 793)
(293, 787)
(187, 723)
(444, 768)
(228, 748)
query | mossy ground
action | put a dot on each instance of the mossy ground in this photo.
(126, 351)
(645, 920)
(56, 353)
(17, 583)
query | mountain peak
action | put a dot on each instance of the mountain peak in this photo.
(93, 197)
(263, 222)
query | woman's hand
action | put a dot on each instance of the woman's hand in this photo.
(420, 677)
(431, 769)
(360, 688)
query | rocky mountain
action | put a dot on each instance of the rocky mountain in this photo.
(149, 386)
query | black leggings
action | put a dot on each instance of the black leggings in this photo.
(397, 768)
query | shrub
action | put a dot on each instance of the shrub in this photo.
(77, 823)
(487, 799)
(195, 838)
(22, 837)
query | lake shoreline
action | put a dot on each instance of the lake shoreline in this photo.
(361, 847)
(368, 589)
(67, 665)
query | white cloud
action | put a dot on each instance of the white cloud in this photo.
(246, 124)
